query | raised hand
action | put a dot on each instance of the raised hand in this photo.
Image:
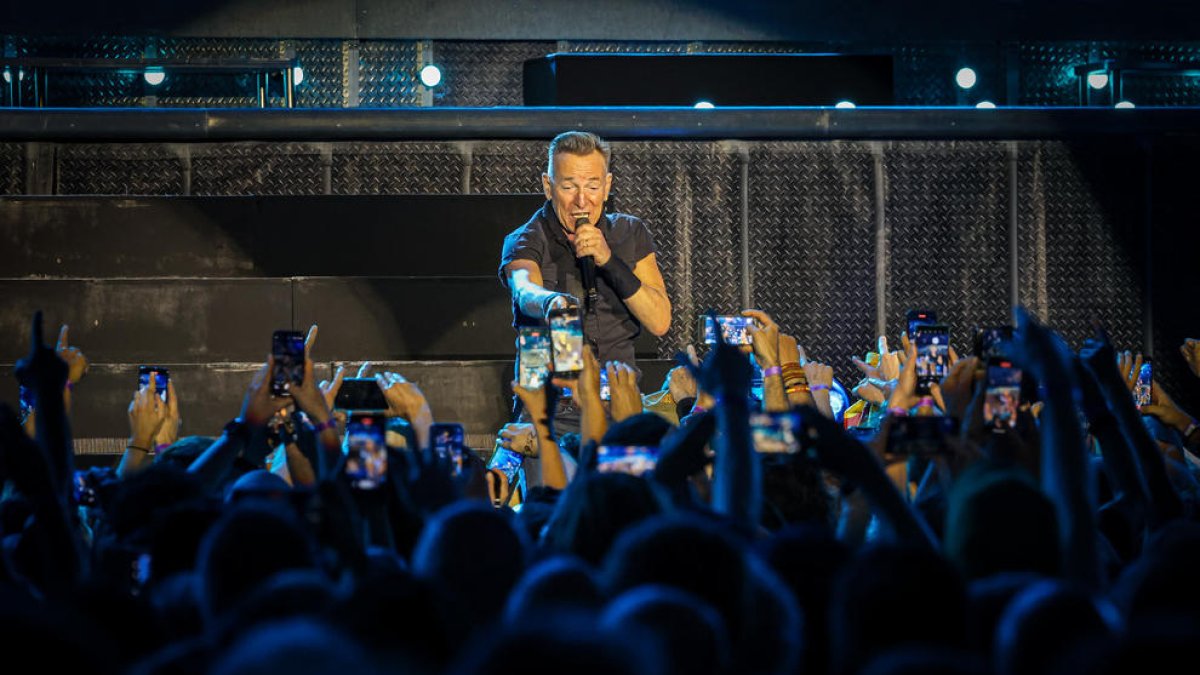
(42, 370)
(258, 406)
(1165, 409)
(404, 399)
(726, 372)
(77, 363)
(168, 433)
(589, 240)
(520, 437)
(765, 338)
(1191, 354)
(330, 388)
(904, 396)
(1130, 366)
(954, 393)
(624, 398)
(147, 415)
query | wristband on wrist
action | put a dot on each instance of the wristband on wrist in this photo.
(148, 451)
(620, 277)
(898, 411)
(330, 423)
(772, 371)
(818, 387)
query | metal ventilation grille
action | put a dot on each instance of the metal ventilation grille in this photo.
(257, 169)
(119, 169)
(476, 74)
(388, 74)
(397, 168)
(12, 169)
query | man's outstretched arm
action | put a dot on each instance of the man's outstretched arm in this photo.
(525, 282)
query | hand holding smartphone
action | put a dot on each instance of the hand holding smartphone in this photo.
(448, 443)
(566, 338)
(1002, 398)
(533, 356)
(735, 330)
(161, 377)
(933, 355)
(366, 451)
(360, 394)
(918, 317)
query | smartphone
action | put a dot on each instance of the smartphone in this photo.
(920, 435)
(161, 377)
(360, 394)
(507, 462)
(1145, 379)
(992, 341)
(933, 354)
(634, 460)
(605, 393)
(287, 346)
(27, 402)
(85, 490)
(734, 329)
(918, 317)
(776, 433)
(1003, 395)
(448, 442)
(366, 451)
(566, 339)
(533, 356)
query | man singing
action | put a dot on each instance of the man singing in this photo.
(541, 261)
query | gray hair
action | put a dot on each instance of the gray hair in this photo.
(577, 143)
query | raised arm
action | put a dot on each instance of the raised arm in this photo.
(525, 282)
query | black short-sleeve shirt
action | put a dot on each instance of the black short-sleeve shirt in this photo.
(542, 240)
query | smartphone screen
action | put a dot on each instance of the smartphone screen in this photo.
(933, 355)
(449, 442)
(366, 451)
(605, 393)
(161, 377)
(533, 357)
(735, 329)
(1003, 395)
(918, 317)
(1141, 390)
(634, 460)
(287, 346)
(360, 394)
(991, 342)
(27, 403)
(776, 433)
(566, 337)
(85, 492)
(507, 462)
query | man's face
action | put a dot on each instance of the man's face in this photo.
(577, 186)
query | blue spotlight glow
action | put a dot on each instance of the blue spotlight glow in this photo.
(154, 76)
(985, 105)
(704, 105)
(965, 78)
(1124, 105)
(845, 105)
(1097, 79)
(431, 76)
(297, 75)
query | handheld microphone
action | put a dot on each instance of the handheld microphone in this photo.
(587, 269)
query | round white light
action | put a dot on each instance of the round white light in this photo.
(431, 76)
(1097, 79)
(704, 105)
(1124, 105)
(154, 76)
(297, 75)
(965, 77)
(845, 105)
(986, 105)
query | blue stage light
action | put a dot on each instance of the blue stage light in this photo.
(845, 105)
(1097, 79)
(431, 76)
(704, 105)
(965, 78)
(154, 76)
(1124, 105)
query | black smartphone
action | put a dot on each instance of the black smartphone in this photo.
(161, 377)
(992, 342)
(933, 355)
(366, 451)
(360, 394)
(533, 356)
(734, 329)
(566, 338)
(1002, 398)
(509, 463)
(918, 317)
(920, 435)
(449, 441)
(287, 346)
(634, 460)
(777, 433)
(1145, 381)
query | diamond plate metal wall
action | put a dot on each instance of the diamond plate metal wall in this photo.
(119, 169)
(947, 219)
(689, 195)
(812, 233)
(397, 168)
(507, 166)
(322, 64)
(388, 74)
(12, 169)
(484, 74)
(257, 169)
(1081, 213)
